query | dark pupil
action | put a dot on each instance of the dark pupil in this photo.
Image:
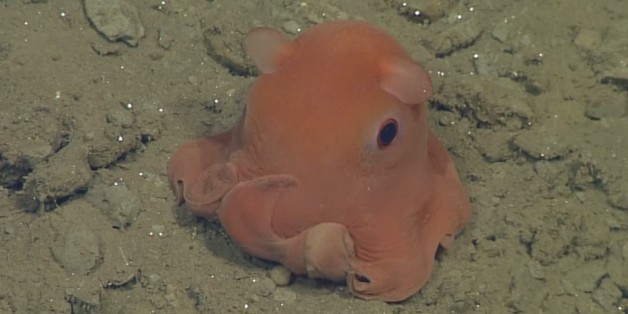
(387, 134)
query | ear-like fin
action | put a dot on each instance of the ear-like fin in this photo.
(265, 45)
(406, 80)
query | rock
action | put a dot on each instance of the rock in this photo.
(121, 117)
(165, 39)
(114, 143)
(79, 251)
(224, 46)
(494, 146)
(280, 275)
(606, 105)
(487, 102)
(20, 150)
(459, 36)
(116, 20)
(291, 27)
(420, 10)
(612, 65)
(116, 202)
(127, 128)
(501, 31)
(618, 75)
(541, 144)
(57, 179)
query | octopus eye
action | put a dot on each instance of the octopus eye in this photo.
(387, 133)
(362, 278)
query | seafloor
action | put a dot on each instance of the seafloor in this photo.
(531, 99)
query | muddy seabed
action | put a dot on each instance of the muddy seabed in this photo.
(531, 98)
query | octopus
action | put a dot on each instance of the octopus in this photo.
(332, 170)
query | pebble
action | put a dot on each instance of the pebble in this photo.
(116, 20)
(291, 27)
(79, 252)
(280, 275)
(541, 144)
(71, 175)
(501, 31)
(608, 105)
(116, 202)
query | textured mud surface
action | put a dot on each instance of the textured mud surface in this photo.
(531, 98)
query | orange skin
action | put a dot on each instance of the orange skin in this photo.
(311, 178)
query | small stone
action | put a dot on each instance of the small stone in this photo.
(116, 202)
(153, 279)
(116, 20)
(435, 10)
(542, 144)
(447, 118)
(194, 80)
(164, 39)
(291, 27)
(226, 50)
(315, 18)
(72, 175)
(495, 146)
(459, 36)
(501, 31)
(606, 105)
(36, 150)
(80, 251)
(280, 275)
(490, 248)
(121, 117)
